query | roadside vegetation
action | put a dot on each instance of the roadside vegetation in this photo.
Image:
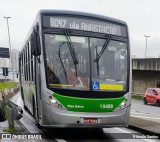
(11, 130)
(5, 110)
(10, 84)
(137, 97)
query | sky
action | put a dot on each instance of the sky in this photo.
(142, 17)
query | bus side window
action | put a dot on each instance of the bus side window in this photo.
(29, 77)
(32, 59)
(35, 41)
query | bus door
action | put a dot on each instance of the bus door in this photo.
(37, 83)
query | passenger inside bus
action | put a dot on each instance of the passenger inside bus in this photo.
(78, 80)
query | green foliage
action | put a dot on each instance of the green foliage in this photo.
(11, 130)
(6, 111)
(137, 97)
(10, 84)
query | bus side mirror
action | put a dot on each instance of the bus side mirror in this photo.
(35, 42)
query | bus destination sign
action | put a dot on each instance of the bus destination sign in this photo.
(83, 24)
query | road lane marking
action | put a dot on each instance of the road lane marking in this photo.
(60, 140)
(122, 130)
(117, 130)
(148, 140)
(145, 113)
(142, 112)
(129, 132)
(145, 117)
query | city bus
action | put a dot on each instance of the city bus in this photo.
(75, 70)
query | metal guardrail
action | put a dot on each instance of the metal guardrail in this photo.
(18, 110)
(14, 111)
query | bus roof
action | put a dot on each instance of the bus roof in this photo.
(49, 12)
(78, 13)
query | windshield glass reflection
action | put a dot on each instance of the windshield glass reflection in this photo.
(112, 65)
(105, 59)
(62, 70)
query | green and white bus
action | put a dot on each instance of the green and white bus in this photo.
(75, 70)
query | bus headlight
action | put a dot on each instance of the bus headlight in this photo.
(55, 103)
(122, 105)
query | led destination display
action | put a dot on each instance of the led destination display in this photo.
(84, 25)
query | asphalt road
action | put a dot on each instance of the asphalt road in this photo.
(148, 112)
(85, 135)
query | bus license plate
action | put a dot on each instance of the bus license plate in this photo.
(90, 120)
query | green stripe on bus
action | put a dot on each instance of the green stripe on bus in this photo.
(89, 104)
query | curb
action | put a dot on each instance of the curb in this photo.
(8, 92)
(23, 127)
(144, 131)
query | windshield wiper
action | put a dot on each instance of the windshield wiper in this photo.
(97, 62)
(103, 48)
(59, 54)
(71, 49)
(98, 56)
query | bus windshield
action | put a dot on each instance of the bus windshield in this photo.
(62, 71)
(108, 73)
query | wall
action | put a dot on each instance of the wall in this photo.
(145, 74)
(143, 80)
(146, 64)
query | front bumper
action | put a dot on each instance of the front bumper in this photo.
(62, 118)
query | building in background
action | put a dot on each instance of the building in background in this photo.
(134, 56)
(14, 59)
(145, 74)
(11, 64)
(4, 62)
